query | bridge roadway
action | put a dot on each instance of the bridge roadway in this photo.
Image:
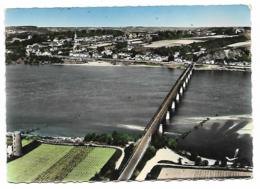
(153, 125)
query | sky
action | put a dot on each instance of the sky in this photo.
(167, 16)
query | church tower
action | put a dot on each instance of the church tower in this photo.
(17, 143)
(75, 42)
(75, 36)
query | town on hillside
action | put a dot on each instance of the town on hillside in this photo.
(227, 47)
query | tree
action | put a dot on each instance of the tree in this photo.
(172, 143)
(198, 161)
(121, 45)
(171, 58)
(151, 151)
(159, 141)
(119, 139)
(217, 163)
(223, 163)
(205, 163)
(180, 161)
(100, 49)
(90, 137)
(244, 162)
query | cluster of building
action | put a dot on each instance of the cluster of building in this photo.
(128, 46)
(104, 46)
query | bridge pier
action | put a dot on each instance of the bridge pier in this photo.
(184, 85)
(177, 98)
(160, 129)
(173, 107)
(168, 116)
(188, 77)
(190, 73)
(181, 91)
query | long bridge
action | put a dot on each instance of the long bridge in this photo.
(158, 121)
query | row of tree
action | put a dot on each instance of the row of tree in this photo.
(164, 35)
(115, 138)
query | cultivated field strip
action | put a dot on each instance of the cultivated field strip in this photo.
(28, 167)
(59, 170)
(91, 165)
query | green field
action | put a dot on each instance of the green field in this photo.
(26, 141)
(91, 165)
(50, 163)
(28, 167)
(59, 170)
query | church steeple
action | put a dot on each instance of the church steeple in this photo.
(75, 42)
(75, 36)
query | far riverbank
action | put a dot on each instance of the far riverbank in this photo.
(173, 65)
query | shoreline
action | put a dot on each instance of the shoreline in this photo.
(168, 65)
(187, 120)
(190, 123)
(197, 67)
(209, 67)
(107, 64)
(94, 63)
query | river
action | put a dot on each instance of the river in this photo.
(75, 100)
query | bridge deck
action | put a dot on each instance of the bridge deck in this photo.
(152, 126)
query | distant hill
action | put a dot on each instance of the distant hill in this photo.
(128, 28)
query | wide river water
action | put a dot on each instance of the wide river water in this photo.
(75, 100)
